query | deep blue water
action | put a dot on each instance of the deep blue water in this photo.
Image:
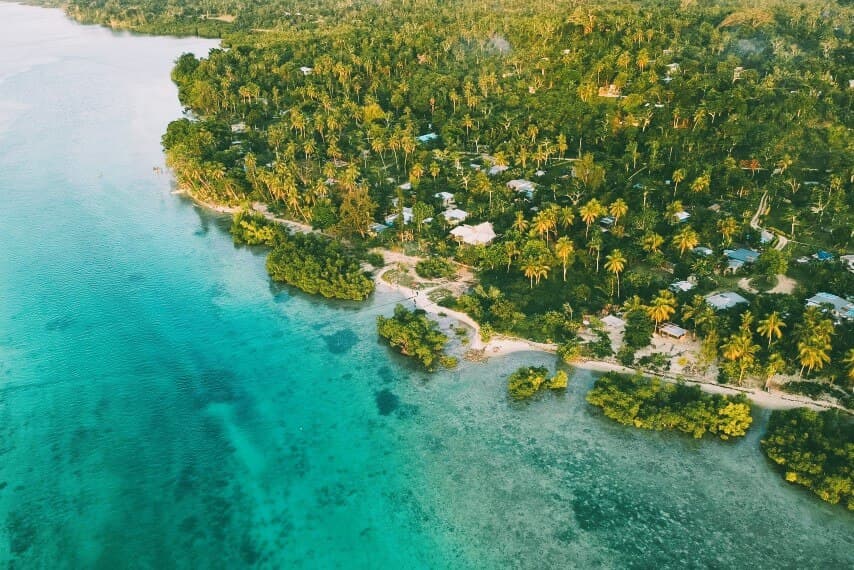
(163, 405)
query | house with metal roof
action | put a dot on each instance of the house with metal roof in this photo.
(681, 286)
(454, 215)
(446, 197)
(724, 300)
(673, 331)
(525, 187)
(838, 307)
(738, 258)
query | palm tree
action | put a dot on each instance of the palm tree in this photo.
(671, 210)
(565, 217)
(544, 223)
(589, 212)
(564, 248)
(618, 209)
(615, 262)
(542, 271)
(694, 309)
(520, 224)
(531, 269)
(771, 326)
(702, 183)
(739, 349)
(849, 360)
(662, 308)
(595, 244)
(776, 364)
(814, 333)
(511, 250)
(634, 303)
(727, 228)
(813, 355)
(686, 239)
(652, 242)
(678, 176)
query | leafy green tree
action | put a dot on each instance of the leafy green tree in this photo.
(413, 334)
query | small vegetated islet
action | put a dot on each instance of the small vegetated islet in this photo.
(528, 380)
(413, 334)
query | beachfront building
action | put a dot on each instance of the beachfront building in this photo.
(837, 306)
(497, 169)
(481, 234)
(724, 300)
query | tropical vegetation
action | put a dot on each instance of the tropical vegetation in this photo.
(814, 449)
(413, 334)
(650, 403)
(526, 381)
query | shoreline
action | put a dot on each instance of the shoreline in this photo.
(503, 345)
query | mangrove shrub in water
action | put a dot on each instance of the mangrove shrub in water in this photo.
(814, 449)
(528, 380)
(413, 334)
(310, 262)
(318, 265)
(650, 403)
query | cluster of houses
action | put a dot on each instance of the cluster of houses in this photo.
(481, 234)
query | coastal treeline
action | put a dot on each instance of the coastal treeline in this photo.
(814, 449)
(415, 335)
(311, 262)
(650, 403)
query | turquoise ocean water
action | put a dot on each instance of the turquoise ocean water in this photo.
(162, 405)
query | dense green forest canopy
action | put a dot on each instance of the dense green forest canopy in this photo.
(647, 128)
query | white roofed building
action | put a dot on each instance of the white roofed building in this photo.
(480, 234)
(455, 215)
(446, 197)
(525, 187)
(724, 300)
